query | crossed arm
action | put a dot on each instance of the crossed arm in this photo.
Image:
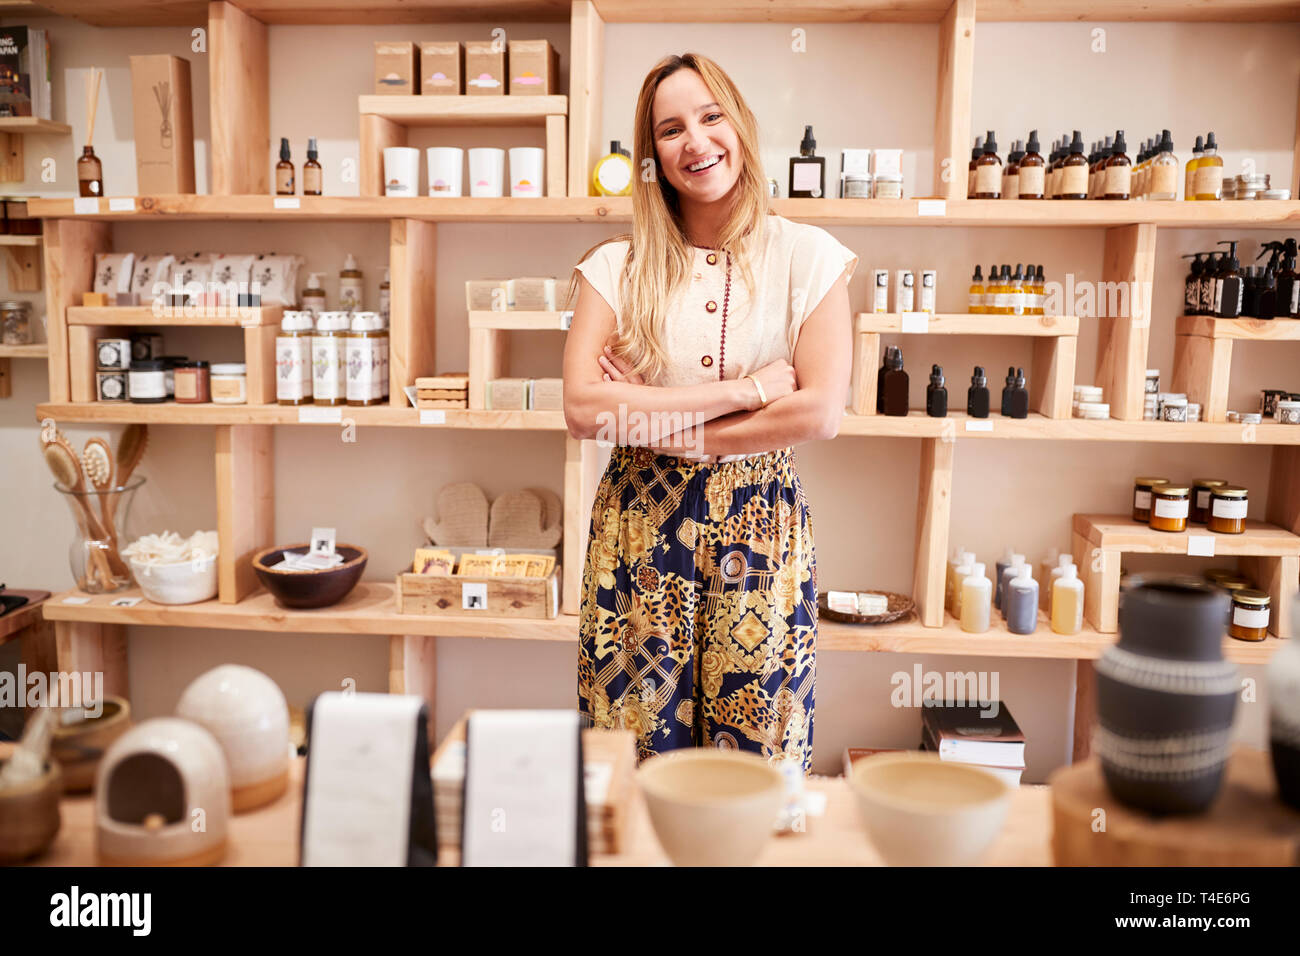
(597, 386)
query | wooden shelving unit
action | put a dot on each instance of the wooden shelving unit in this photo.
(489, 344)
(8, 352)
(1203, 355)
(12, 131)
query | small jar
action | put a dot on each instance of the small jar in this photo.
(1268, 399)
(1287, 412)
(111, 386)
(113, 355)
(1201, 489)
(1251, 418)
(229, 384)
(1193, 411)
(1173, 410)
(147, 382)
(192, 382)
(857, 185)
(1228, 509)
(1142, 497)
(1217, 576)
(889, 186)
(16, 321)
(1250, 612)
(1169, 507)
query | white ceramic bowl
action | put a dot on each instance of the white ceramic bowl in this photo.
(921, 811)
(187, 582)
(712, 807)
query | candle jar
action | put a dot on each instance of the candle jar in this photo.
(192, 383)
(1169, 507)
(1201, 490)
(16, 321)
(1142, 497)
(1228, 509)
(229, 384)
(147, 382)
(1250, 613)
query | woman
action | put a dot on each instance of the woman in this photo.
(713, 338)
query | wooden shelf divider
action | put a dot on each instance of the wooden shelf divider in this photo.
(1203, 355)
(489, 344)
(239, 102)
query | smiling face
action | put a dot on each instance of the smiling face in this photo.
(697, 146)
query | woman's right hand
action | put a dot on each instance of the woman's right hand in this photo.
(777, 379)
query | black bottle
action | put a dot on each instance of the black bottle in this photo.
(1231, 286)
(1018, 403)
(1192, 285)
(977, 396)
(1288, 282)
(1007, 387)
(936, 395)
(808, 170)
(1209, 280)
(880, 378)
(895, 388)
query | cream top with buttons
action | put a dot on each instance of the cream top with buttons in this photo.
(794, 268)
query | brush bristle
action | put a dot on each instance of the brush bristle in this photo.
(63, 464)
(95, 461)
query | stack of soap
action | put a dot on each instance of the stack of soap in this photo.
(450, 390)
(525, 394)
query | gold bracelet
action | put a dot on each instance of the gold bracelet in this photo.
(762, 395)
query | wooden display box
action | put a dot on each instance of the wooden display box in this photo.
(1203, 356)
(454, 595)
(489, 344)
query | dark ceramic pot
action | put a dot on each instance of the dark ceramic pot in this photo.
(1166, 697)
(1283, 681)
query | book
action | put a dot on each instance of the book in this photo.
(24, 72)
(853, 754)
(1009, 775)
(962, 733)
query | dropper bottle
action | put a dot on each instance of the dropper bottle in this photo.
(976, 293)
(1040, 290)
(1189, 186)
(1031, 170)
(1162, 171)
(988, 171)
(1209, 173)
(1117, 172)
(977, 397)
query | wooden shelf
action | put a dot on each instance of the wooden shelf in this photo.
(1122, 533)
(33, 125)
(520, 321)
(39, 350)
(387, 416)
(969, 323)
(233, 317)
(1253, 330)
(464, 110)
(965, 213)
(7, 240)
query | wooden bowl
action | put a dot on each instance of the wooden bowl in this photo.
(921, 811)
(900, 606)
(78, 746)
(309, 589)
(29, 815)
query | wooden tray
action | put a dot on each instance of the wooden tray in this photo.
(444, 595)
(900, 606)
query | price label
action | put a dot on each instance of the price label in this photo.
(566, 321)
(121, 204)
(287, 202)
(76, 599)
(931, 207)
(85, 205)
(433, 416)
(323, 415)
(979, 425)
(1201, 544)
(916, 322)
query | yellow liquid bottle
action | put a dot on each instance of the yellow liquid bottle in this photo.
(612, 174)
(962, 572)
(976, 298)
(1067, 602)
(1040, 291)
(976, 601)
(1006, 289)
(1208, 180)
(1189, 184)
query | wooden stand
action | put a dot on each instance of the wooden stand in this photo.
(489, 344)
(1246, 826)
(1203, 356)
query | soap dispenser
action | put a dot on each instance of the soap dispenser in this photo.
(977, 397)
(1019, 404)
(936, 395)
(895, 387)
(1288, 282)
(1192, 285)
(807, 170)
(1007, 386)
(1230, 287)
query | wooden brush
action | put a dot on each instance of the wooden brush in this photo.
(67, 472)
(97, 463)
(92, 102)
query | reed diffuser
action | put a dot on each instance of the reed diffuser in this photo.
(90, 171)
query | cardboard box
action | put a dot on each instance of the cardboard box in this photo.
(485, 68)
(486, 295)
(534, 68)
(510, 393)
(442, 68)
(397, 65)
(531, 294)
(548, 394)
(164, 124)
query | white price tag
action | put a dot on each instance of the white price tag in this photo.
(979, 425)
(287, 202)
(916, 322)
(121, 204)
(473, 596)
(1201, 544)
(76, 600)
(433, 416)
(566, 320)
(319, 415)
(931, 207)
(85, 205)
(125, 602)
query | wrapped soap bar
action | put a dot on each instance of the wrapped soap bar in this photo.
(113, 272)
(531, 294)
(845, 602)
(486, 295)
(152, 277)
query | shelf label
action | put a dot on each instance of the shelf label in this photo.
(979, 425)
(121, 204)
(1201, 544)
(566, 320)
(85, 205)
(433, 416)
(323, 415)
(76, 599)
(125, 602)
(931, 207)
(287, 202)
(916, 322)
(473, 596)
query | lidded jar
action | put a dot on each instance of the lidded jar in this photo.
(1169, 507)
(1142, 497)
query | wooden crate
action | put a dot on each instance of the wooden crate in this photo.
(1203, 356)
(445, 595)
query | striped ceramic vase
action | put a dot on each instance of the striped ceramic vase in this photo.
(1283, 681)
(1166, 697)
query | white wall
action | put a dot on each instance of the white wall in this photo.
(858, 85)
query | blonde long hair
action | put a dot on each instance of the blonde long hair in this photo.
(660, 256)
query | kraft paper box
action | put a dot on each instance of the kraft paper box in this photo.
(486, 295)
(531, 294)
(442, 68)
(485, 69)
(397, 64)
(534, 68)
(548, 394)
(508, 393)
(164, 124)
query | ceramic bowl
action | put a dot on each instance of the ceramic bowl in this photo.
(79, 743)
(162, 797)
(921, 811)
(29, 815)
(247, 713)
(712, 807)
(308, 589)
(187, 582)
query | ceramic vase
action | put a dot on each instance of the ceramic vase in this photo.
(1283, 681)
(1166, 697)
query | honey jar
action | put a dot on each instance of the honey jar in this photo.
(1228, 509)
(1142, 497)
(1169, 507)
(1250, 611)
(1201, 488)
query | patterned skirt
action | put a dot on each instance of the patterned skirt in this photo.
(698, 624)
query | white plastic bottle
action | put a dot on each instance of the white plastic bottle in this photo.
(1046, 566)
(976, 600)
(1010, 571)
(1067, 602)
(952, 583)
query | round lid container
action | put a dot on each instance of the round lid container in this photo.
(148, 365)
(228, 368)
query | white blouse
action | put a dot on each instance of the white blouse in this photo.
(793, 269)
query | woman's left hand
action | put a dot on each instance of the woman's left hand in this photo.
(616, 369)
